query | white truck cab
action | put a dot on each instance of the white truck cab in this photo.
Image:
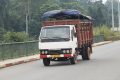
(57, 42)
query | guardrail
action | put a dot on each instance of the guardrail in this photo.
(20, 49)
(98, 38)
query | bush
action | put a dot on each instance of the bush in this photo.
(106, 31)
(15, 37)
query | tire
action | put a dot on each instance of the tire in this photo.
(46, 61)
(73, 60)
(86, 53)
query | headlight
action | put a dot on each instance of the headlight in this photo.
(68, 51)
(64, 51)
(42, 52)
(46, 52)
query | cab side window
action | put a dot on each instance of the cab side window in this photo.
(73, 33)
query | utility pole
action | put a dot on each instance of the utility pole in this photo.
(27, 9)
(112, 16)
(118, 15)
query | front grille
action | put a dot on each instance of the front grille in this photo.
(55, 52)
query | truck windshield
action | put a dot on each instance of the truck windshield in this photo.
(53, 34)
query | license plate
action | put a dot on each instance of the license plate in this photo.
(55, 56)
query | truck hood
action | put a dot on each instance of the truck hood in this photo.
(55, 45)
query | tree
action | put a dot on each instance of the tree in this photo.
(13, 13)
(3, 12)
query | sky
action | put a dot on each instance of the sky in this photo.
(104, 1)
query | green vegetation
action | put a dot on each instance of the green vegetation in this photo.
(15, 37)
(106, 31)
(13, 15)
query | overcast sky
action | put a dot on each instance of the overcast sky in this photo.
(104, 1)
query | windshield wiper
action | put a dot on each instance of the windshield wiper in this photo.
(65, 38)
(44, 37)
(50, 37)
(56, 37)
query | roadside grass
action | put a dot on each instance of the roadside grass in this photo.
(106, 31)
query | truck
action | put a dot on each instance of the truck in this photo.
(65, 37)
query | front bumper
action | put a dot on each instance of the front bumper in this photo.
(57, 56)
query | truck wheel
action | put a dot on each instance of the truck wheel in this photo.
(86, 53)
(73, 60)
(46, 61)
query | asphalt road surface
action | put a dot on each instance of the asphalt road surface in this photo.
(104, 65)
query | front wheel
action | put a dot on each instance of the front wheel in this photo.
(73, 60)
(46, 61)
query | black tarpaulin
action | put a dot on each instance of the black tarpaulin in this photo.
(65, 14)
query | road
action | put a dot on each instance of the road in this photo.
(104, 65)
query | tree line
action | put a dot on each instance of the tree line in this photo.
(14, 13)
